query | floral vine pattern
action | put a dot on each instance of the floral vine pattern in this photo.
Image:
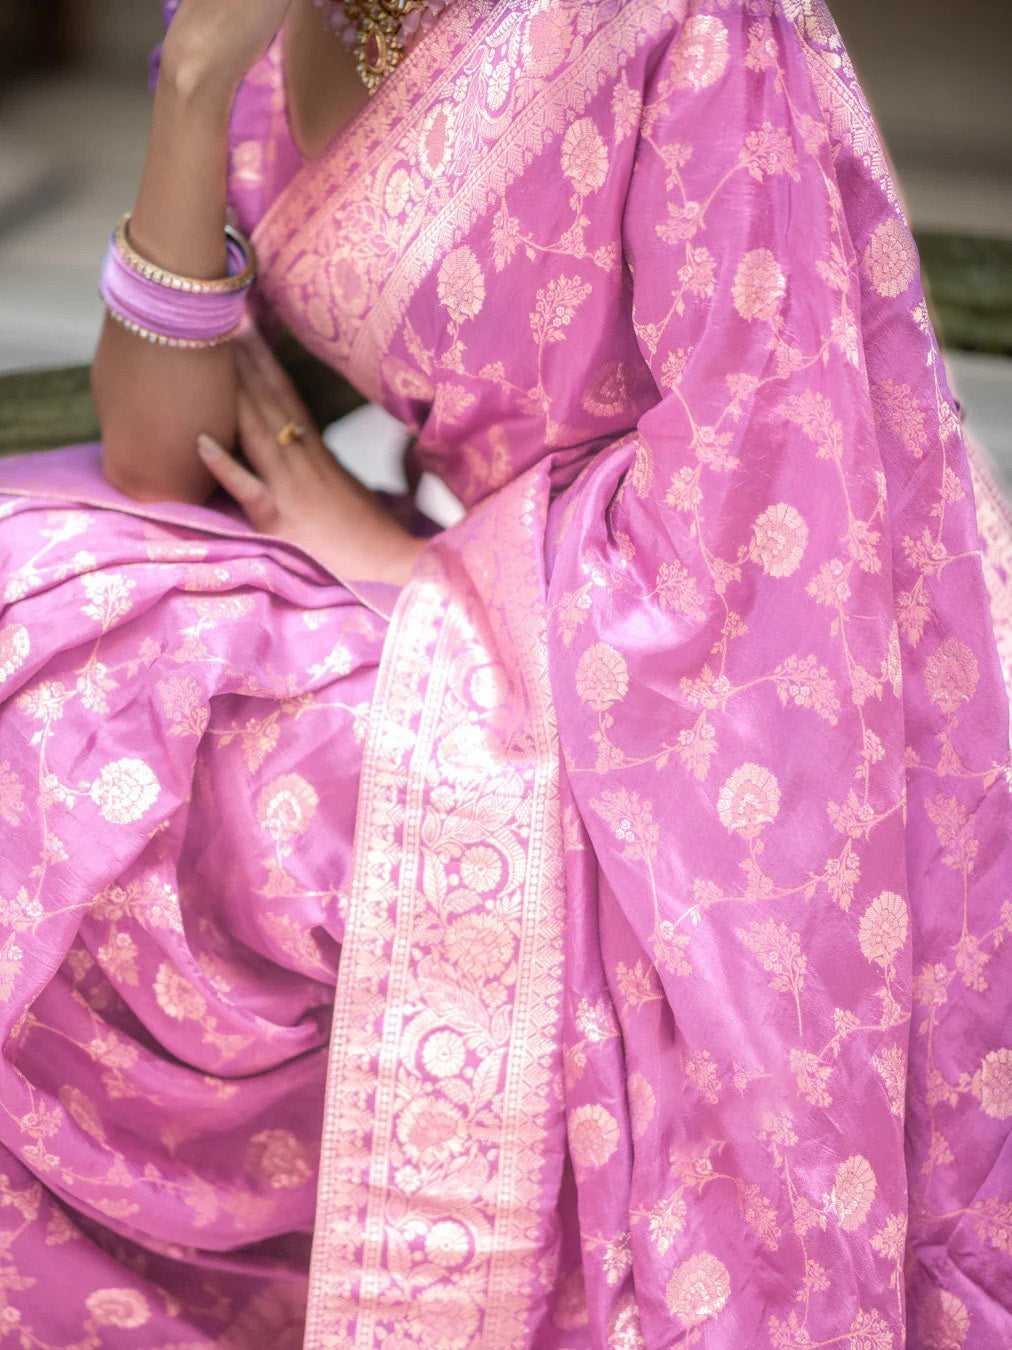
(151, 991)
(670, 936)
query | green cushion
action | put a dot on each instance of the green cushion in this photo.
(969, 280)
(44, 409)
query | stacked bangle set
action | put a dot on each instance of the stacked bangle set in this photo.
(174, 310)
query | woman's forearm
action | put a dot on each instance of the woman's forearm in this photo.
(154, 401)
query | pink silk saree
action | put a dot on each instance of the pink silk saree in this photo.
(596, 942)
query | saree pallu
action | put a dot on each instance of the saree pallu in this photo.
(663, 954)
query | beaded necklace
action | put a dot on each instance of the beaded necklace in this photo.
(378, 30)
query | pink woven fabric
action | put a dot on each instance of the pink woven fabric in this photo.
(649, 849)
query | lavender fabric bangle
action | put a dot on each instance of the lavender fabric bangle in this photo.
(189, 317)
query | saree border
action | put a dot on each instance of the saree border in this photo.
(331, 177)
(347, 1270)
(544, 119)
(511, 1221)
(349, 177)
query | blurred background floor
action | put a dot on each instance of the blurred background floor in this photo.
(71, 147)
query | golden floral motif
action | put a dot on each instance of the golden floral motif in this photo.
(779, 539)
(642, 1103)
(891, 1065)
(448, 1243)
(45, 701)
(430, 1125)
(770, 150)
(882, 932)
(399, 192)
(547, 37)
(853, 1192)
(760, 1214)
(595, 1021)
(125, 790)
(435, 143)
(445, 1320)
(889, 259)
(870, 1331)
(601, 677)
(992, 1083)
(461, 284)
(615, 1256)
(83, 1110)
(626, 105)
(505, 238)
(678, 590)
(286, 806)
(555, 307)
(624, 1332)
(749, 800)
(631, 819)
(762, 52)
(443, 1054)
(12, 803)
(951, 674)
(126, 1309)
(700, 56)
(118, 958)
(698, 1288)
(607, 389)
(811, 1075)
(584, 157)
(176, 996)
(593, 1135)
(571, 1302)
(280, 1159)
(484, 943)
(481, 868)
(896, 408)
(15, 646)
(759, 285)
(943, 1322)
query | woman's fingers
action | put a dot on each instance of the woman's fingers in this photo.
(273, 375)
(258, 435)
(248, 490)
(263, 415)
(270, 410)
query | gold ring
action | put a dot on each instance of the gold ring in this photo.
(291, 431)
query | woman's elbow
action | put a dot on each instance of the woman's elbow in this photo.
(139, 478)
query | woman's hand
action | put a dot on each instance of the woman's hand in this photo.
(299, 492)
(219, 40)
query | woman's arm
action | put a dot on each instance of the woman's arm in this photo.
(154, 401)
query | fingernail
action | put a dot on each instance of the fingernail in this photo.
(209, 448)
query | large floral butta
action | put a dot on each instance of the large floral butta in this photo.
(600, 940)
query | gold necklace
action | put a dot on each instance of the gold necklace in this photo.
(372, 28)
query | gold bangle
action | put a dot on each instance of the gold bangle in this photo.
(197, 285)
(163, 340)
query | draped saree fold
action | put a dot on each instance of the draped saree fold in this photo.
(617, 909)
